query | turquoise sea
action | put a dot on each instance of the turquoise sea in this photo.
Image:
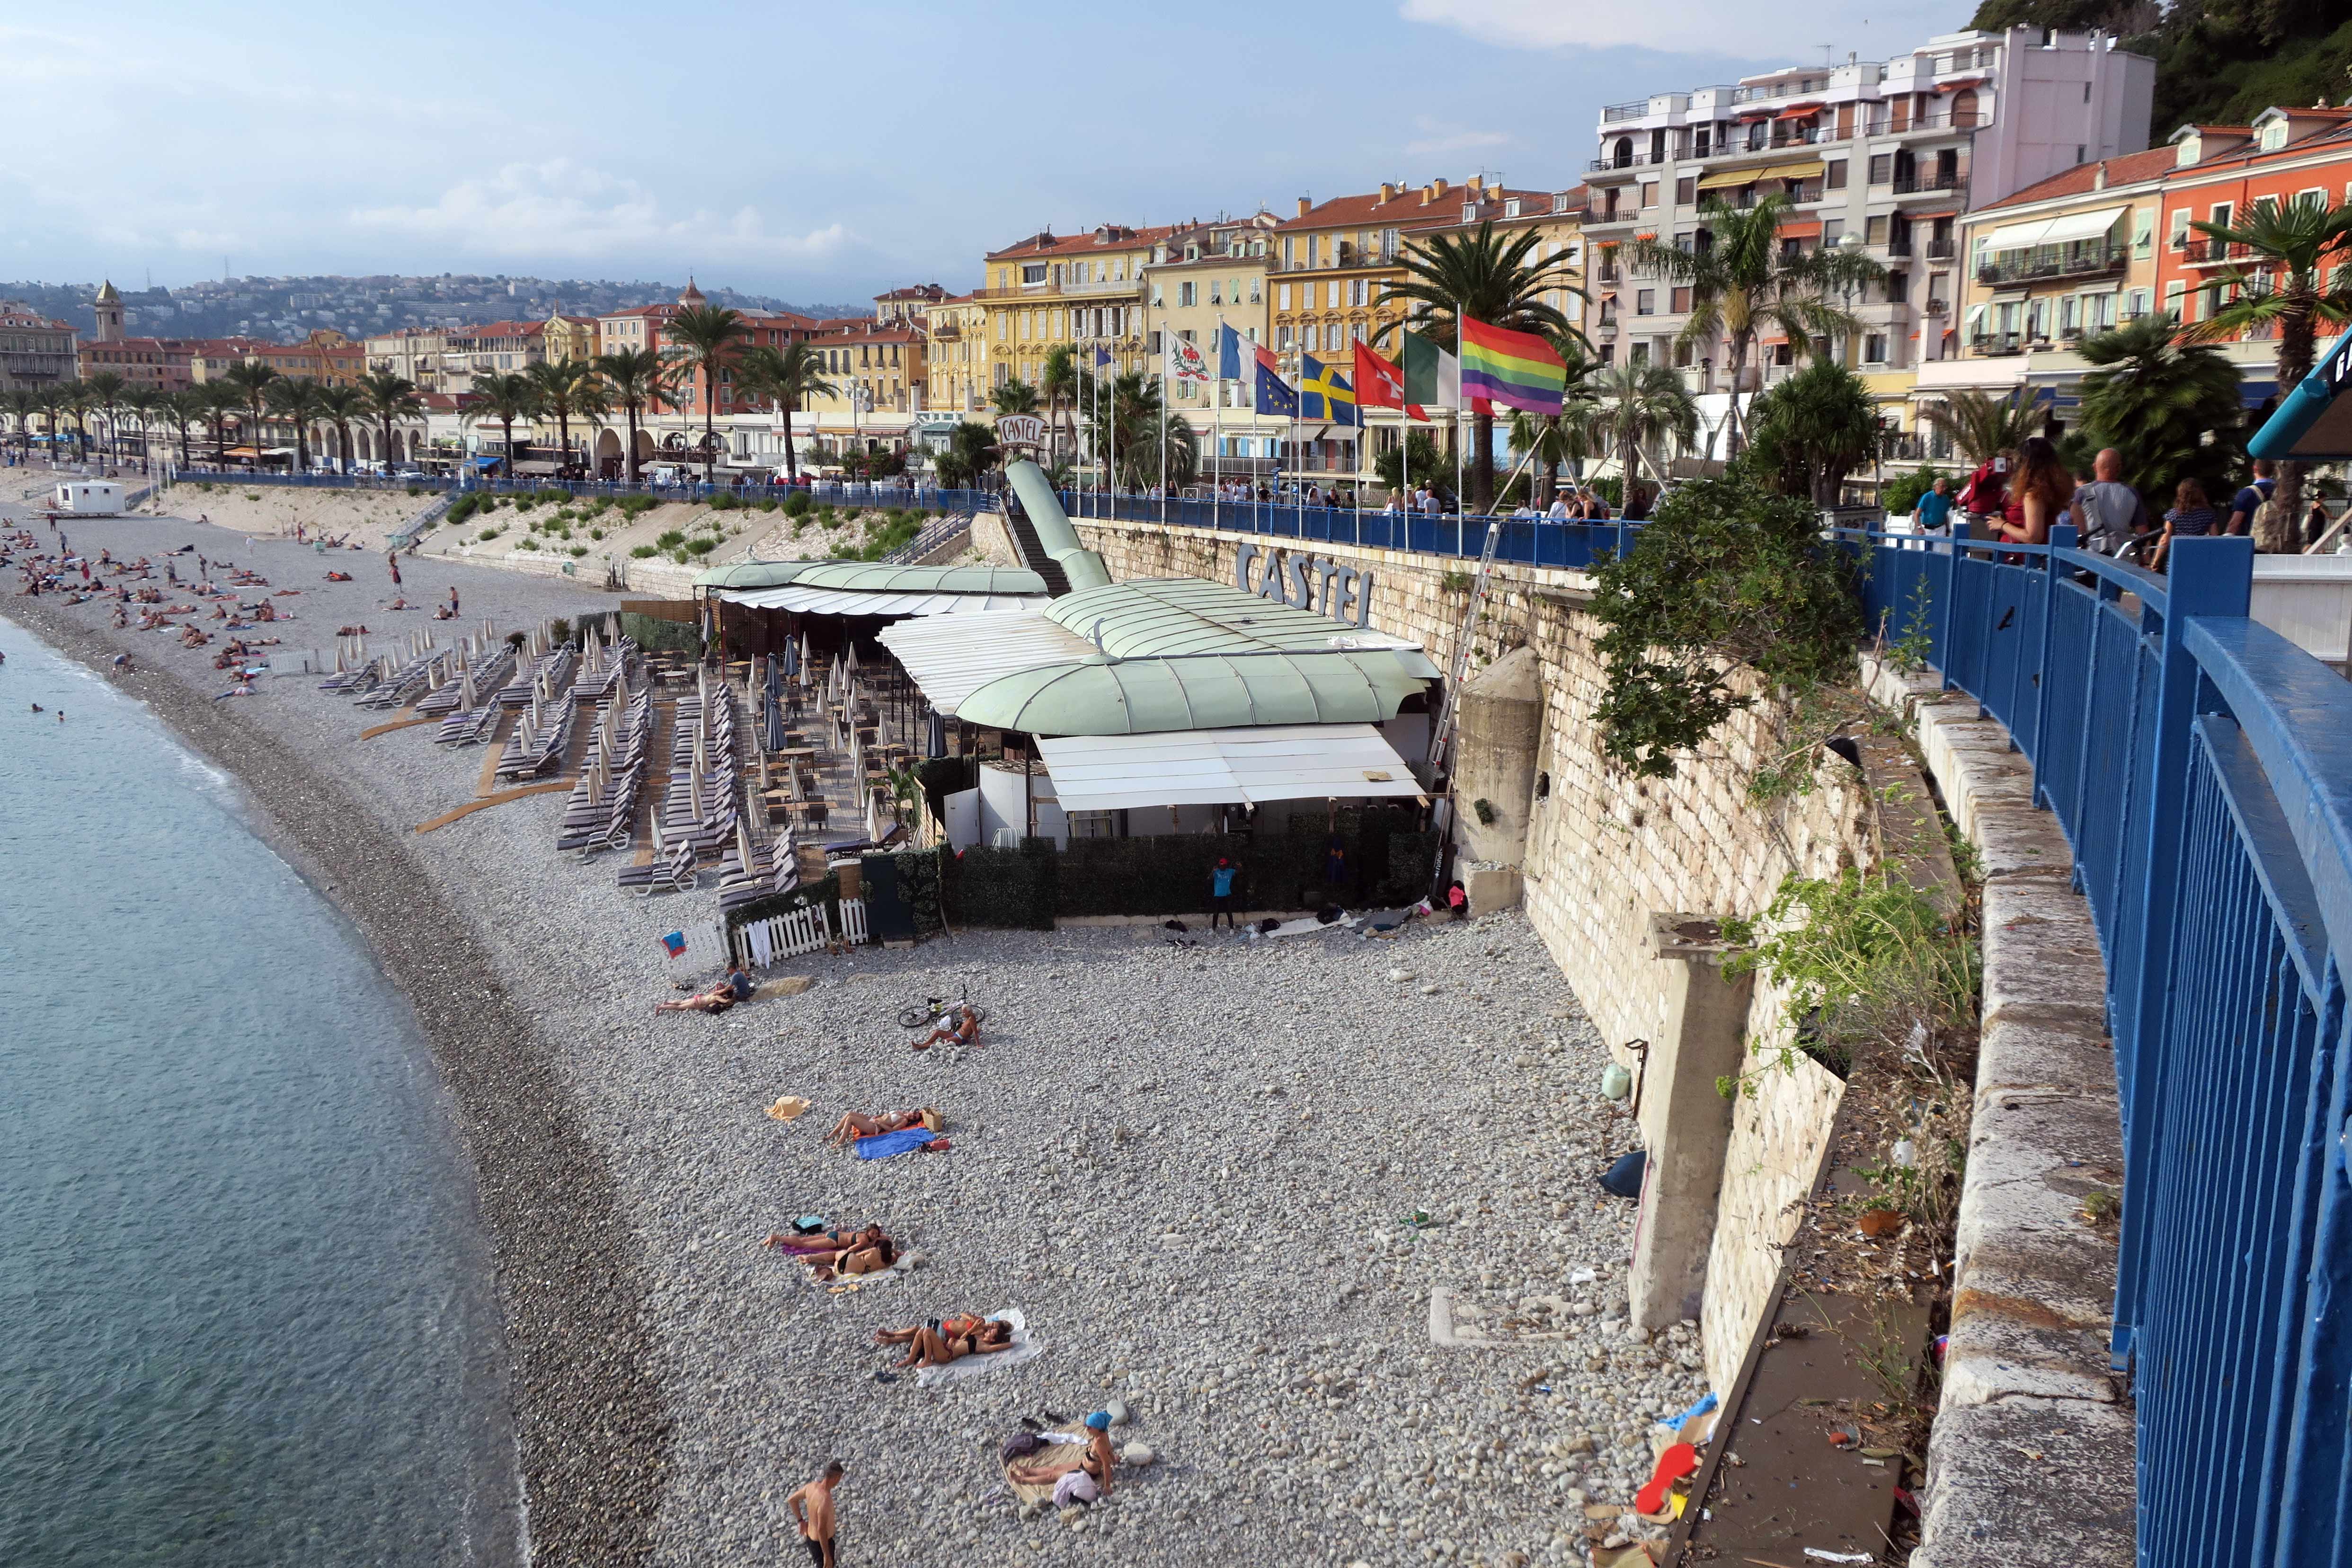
(246, 1310)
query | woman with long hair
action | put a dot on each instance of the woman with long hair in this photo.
(2192, 516)
(2038, 496)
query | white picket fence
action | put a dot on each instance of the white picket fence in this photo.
(802, 931)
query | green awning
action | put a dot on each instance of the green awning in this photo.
(873, 577)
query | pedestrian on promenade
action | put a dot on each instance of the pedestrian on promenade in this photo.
(811, 1511)
(2107, 513)
(2041, 496)
(1935, 509)
(2192, 516)
(391, 559)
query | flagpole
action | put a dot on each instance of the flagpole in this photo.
(1461, 441)
(1166, 338)
(1217, 432)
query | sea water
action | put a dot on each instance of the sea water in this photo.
(245, 1311)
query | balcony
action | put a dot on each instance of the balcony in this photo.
(1616, 113)
(2211, 252)
(1623, 161)
(1128, 285)
(1998, 345)
(2094, 260)
(1939, 250)
(1931, 182)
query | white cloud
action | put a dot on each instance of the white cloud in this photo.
(560, 208)
(1439, 136)
(1727, 27)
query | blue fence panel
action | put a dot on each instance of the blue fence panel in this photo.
(2201, 769)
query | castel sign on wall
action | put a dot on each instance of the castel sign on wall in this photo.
(1306, 582)
(1017, 433)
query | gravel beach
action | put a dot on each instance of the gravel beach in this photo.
(1193, 1168)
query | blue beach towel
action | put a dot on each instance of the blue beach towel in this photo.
(882, 1146)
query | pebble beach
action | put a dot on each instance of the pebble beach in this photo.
(1221, 1181)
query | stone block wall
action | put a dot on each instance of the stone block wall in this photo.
(1605, 851)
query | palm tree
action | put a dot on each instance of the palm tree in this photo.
(1815, 428)
(78, 400)
(220, 400)
(300, 400)
(970, 453)
(2171, 409)
(251, 379)
(1638, 404)
(1742, 279)
(182, 408)
(564, 388)
(2292, 244)
(52, 399)
(784, 378)
(505, 398)
(143, 403)
(1132, 429)
(634, 378)
(1982, 426)
(1549, 440)
(1488, 279)
(705, 337)
(1016, 396)
(22, 403)
(106, 395)
(1062, 378)
(338, 404)
(389, 398)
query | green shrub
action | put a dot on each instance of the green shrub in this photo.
(642, 551)
(461, 509)
(559, 631)
(1902, 492)
(416, 489)
(596, 534)
(553, 493)
(252, 497)
(767, 504)
(524, 502)
(797, 504)
(634, 506)
(701, 546)
(488, 534)
(526, 543)
(670, 539)
(724, 501)
(579, 550)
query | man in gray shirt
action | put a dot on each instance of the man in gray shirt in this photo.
(2108, 513)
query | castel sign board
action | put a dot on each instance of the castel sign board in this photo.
(1017, 433)
(1306, 582)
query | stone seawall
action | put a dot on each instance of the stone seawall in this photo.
(1605, 852)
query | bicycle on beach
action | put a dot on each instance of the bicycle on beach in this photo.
(928, 1014)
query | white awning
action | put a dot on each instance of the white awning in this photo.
(2017, 236)
(949, 660)
(1216, 767)
(2083, 225)
(849, 601)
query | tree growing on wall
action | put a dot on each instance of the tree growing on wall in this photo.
(1729, 594)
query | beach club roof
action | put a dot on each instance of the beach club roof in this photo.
(1222, 766)
(864, 588)
(1159, 655)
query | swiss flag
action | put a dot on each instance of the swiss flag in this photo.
(1380, 385)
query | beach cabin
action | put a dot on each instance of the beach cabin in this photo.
(89, 497)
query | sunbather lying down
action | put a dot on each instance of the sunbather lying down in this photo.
(943, 1340)
(831, 1252)
(1096, 1461)
(855, 1125)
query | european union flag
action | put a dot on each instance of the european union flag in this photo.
(1102, 357)
(1325, 393)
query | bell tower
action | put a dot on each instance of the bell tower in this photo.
(108, 308)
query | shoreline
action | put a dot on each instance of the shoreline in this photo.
(589, 1421)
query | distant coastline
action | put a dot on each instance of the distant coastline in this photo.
(591, 1429)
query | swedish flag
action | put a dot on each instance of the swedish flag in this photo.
(1324, 393)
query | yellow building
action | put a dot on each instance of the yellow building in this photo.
(957, 357)
(1203, 276)
(1084, 290)
(570, 338)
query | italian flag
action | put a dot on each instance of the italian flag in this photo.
(1433, 378)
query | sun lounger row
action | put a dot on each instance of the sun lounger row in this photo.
(604, 801)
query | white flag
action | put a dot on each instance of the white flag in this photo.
(1185, 360)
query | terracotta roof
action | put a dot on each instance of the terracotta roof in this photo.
(2082, 178)
(931, 291)
(1084, 243)
(1404, 208)
(500, 329)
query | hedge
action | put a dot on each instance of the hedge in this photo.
(1014, 888)
(919, 885)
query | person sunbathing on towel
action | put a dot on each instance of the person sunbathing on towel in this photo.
(959, 1026)
(863, 1251)
(941, 1341)
(737, 986)
(854, 1125)
(1096, 1461)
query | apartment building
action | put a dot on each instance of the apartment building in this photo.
(568, 338)
(490, 349)
(909, 306)
(956, 355)
(412, 353)
(875, 366)
(1084, 290)
(2219, 174)
(36, 351)
(1201, 276)
(154, 365)
(325, 355)
(1883, 155)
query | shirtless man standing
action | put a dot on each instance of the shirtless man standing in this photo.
(812, 1510)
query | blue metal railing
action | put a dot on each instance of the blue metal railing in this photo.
(924, 497)
(1524, 541)
(2200, 766)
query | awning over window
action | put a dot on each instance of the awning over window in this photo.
(1213, 767)
(2010, 297)
(1809, 168)
(1725, 179)
(1809, 229)
(2083, 225)
(1797, 111)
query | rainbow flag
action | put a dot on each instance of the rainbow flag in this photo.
(1517, 370)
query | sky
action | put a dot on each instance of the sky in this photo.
(816, 152)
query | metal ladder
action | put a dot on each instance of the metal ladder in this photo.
(1449, 713)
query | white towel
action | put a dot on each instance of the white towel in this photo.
(1024, 1348)
(763, 949)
